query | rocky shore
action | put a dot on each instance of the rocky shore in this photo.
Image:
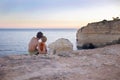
(96, 62)
(92, 64)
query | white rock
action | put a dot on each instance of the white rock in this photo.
(60, 47)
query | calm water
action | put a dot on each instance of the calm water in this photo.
(15, 41)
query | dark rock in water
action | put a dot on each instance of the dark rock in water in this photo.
(88, 46)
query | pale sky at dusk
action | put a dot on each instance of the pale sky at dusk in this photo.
(55, 13)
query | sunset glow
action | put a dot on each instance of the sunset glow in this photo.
(55, 13)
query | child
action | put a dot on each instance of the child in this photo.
(32, 47)
(42, 49)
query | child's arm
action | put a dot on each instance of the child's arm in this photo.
(45, 49)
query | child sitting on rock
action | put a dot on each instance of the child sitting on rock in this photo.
(42, 49)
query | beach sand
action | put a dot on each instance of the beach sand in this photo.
(93, 64)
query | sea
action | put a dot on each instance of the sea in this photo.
(15, 41)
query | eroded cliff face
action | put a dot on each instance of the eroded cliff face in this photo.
(99, 33)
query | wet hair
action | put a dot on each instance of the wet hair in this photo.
(39, 35)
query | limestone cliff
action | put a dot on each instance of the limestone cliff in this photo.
(99, 33)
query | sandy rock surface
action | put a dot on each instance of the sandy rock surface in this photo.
(95, 64)
(99, 33)
(61, 46)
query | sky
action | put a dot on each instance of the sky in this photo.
(56, 13)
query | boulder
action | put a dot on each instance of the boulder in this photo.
(61, 47)
(99, 34)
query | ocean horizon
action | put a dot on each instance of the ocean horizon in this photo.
(15, 40)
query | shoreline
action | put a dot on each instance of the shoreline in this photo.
(76, 51)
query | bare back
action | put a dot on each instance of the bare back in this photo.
(33, 44)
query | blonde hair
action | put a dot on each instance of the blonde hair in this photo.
(44, 39)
